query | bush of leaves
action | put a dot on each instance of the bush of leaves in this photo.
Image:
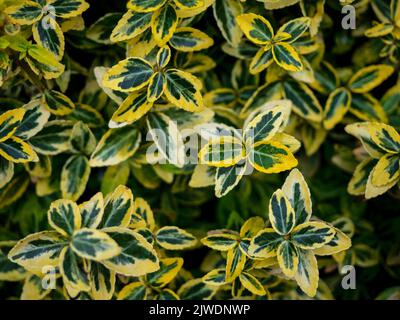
(302, 113)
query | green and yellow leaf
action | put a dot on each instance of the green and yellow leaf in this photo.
(118, 208)
(312, 235)
(64, 216)
(115, 146)
(174, 238)
(128, 75)
(256, 28)
(281, 214)
(137, 257)
(94, 245)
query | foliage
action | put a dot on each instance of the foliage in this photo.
(199, 149)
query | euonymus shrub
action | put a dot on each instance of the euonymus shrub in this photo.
(148, 149)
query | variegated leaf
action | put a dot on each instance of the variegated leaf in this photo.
(296, 190)
(163, 24)
(24, 14)
(16, 150)
(94, 245)
(34, 119)
(338, 104)
(281, 214)
(57, 103)
(131, 25)
(72, 271)
(74, 177)
(115, 146)
(288, 258)
(167, 138)
(38, 250)
(183, 90)
(128, 75)
(265, 244)
(169, 268)
(64, 216)
(369, 78)
(271, 157)
(286, 56)
(134, 107)
(307, 275)
(118, 208)
(252, 284)
(223, 152)
(54, 138)
(312, 235)
(9, 122)
(305, 104)
(137, 257)
(102, 282)
(228, 178)
(174, 238)
(256, 28)
(92, 211)
(133, 291)
(69, 8)
(189, 39)
(225, 12)
(48, 34)
(235, 261)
